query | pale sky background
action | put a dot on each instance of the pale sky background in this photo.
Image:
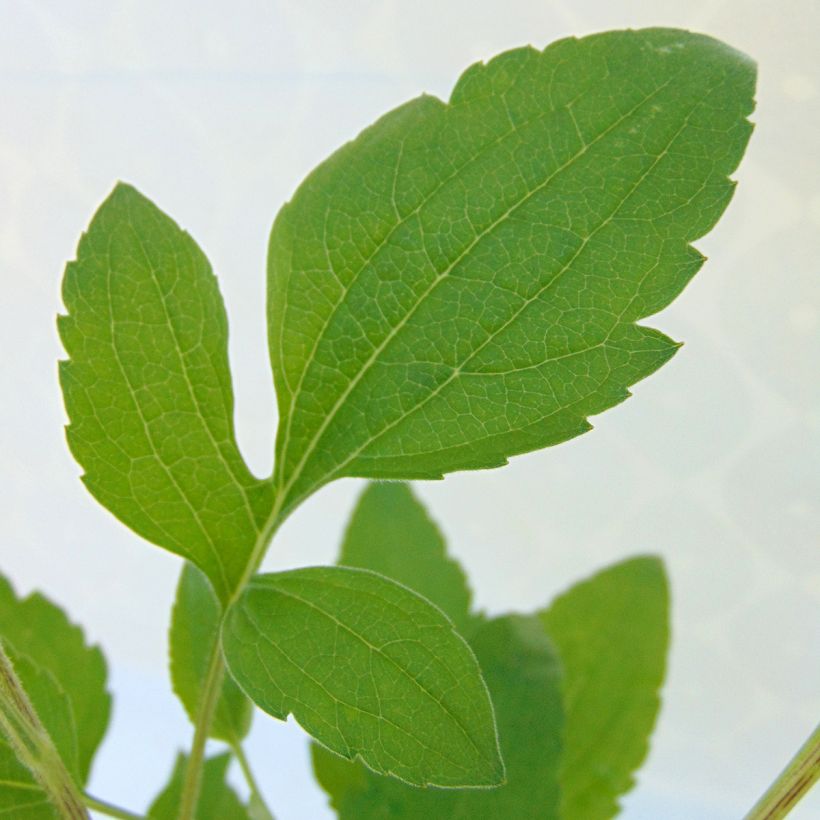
(216, 111)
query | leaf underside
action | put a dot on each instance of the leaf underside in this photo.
(369, 669)
(461, 283)
(65, 679)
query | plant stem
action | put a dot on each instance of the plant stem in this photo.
(33, 745)
(109, 809)
(251, 780)
(794, 782)
(216, 672)
(193, 771)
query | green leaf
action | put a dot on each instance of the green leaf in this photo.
(216, 798)
(37, 629)
(65, 679)
(612, 634)
(523, 676)
(194, 635)
(461, 282)
(148, 392)
(391, 533)
(369, 669)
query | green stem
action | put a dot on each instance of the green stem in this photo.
(216, 672)
(251, 780)
(204, 718)
(109, 809)
(33, 746)
(793, 783)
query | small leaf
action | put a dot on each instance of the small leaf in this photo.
(369, 669)
(148, 391)
(461, 283)
(523, 676)
(194, 634)
(216, 798)
(612, 634)
(39, 637)
(391, 533)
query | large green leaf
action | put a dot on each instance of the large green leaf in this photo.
(612, 634)
(193, 637)
(523, 676)
(148, 392)
(65, 680)
(217, 800)
(391, 533)
(369, 669)
(461, 282)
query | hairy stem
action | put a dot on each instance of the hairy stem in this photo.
(251, 780)
(31, 742)
(109, 809)
(216, 673)
(794, 782)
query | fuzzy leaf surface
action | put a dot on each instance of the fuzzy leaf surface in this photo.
(65, 679)
(369, 669)
(194, 634)
(391, 533)
(217, 799)
(461, 283)
(148, 391)
(612, 634)
(523, 675)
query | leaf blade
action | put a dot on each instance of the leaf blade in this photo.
(523, 676)
(369, 669)
(373, 259)
(37, 633)
(390, 533)
(147, 389)
(612, 634)
(216, 797)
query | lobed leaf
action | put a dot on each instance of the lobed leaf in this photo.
(148, 390)
(612, 634)
(462, 282)
(369, 669)
(523, 675)
(65, 679)
(216, 798)
(391, 533)
(193, 637)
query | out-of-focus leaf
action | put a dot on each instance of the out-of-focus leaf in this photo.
(612, 634)
(391, 533)
(217, 800)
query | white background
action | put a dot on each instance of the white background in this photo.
(216, 111)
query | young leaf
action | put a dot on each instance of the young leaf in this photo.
(461, 282)
(50, 653)
(148, 392)
(612, 634)
(391, 533)
(369, 669)
(216, 798)
(194, 634)
(522, 673)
